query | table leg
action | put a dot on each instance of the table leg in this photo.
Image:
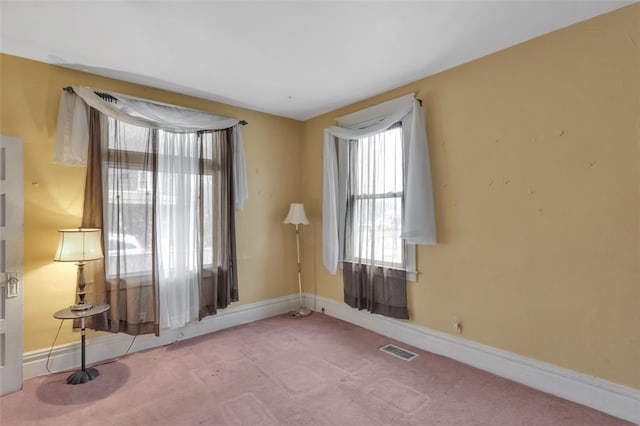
(84, 374)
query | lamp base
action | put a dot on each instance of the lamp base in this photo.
(82, 376)
(300, 313)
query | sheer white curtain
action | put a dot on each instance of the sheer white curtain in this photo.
(377, 204)
(153, 217)
(375, 200)
(418, 221)
(72, 131)
(177, 228)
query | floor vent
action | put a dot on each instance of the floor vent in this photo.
(398, 352)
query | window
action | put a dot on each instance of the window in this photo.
(131, 152)
(375, 200)
(377, 195)
(162, 182)
(377, 203)
(128, 200)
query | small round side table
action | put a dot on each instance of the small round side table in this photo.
(84, 374)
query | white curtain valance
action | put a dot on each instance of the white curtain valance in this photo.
(418, 225)
(72, 133)
(144, 113)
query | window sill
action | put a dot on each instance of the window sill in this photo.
(144, 279)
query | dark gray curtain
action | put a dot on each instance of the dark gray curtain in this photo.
(375, 289)
(219, 285)
(92, 218)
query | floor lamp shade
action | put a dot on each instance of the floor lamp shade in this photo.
(296, 215)
(79, 245)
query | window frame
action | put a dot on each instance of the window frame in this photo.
(135, 161)
(408, 251)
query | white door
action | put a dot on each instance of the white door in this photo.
(11, 235)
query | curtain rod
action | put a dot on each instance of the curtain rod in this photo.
(107, 97)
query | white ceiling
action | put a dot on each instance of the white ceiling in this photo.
(295, 59)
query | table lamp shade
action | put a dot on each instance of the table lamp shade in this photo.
(296, 215)
(78, 245)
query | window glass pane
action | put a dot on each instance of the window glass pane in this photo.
(376, 199)
(377, 224)
(379, 163)
(129, 221)
(124, 136)
(208, 225)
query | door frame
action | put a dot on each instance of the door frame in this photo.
(12, 237)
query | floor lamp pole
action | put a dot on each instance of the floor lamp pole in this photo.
(302, 311)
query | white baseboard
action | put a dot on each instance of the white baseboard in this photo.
(110, 346)
(619, 401)
(611, 398)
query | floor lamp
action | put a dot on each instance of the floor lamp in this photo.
(297, 217)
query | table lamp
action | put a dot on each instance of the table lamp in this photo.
(79, 245)
(297, 216)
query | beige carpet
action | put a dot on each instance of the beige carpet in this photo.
(280, 371)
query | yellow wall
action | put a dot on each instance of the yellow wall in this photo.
(29, 96)
(536, 167)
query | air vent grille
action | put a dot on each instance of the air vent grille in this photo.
(398, 352)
